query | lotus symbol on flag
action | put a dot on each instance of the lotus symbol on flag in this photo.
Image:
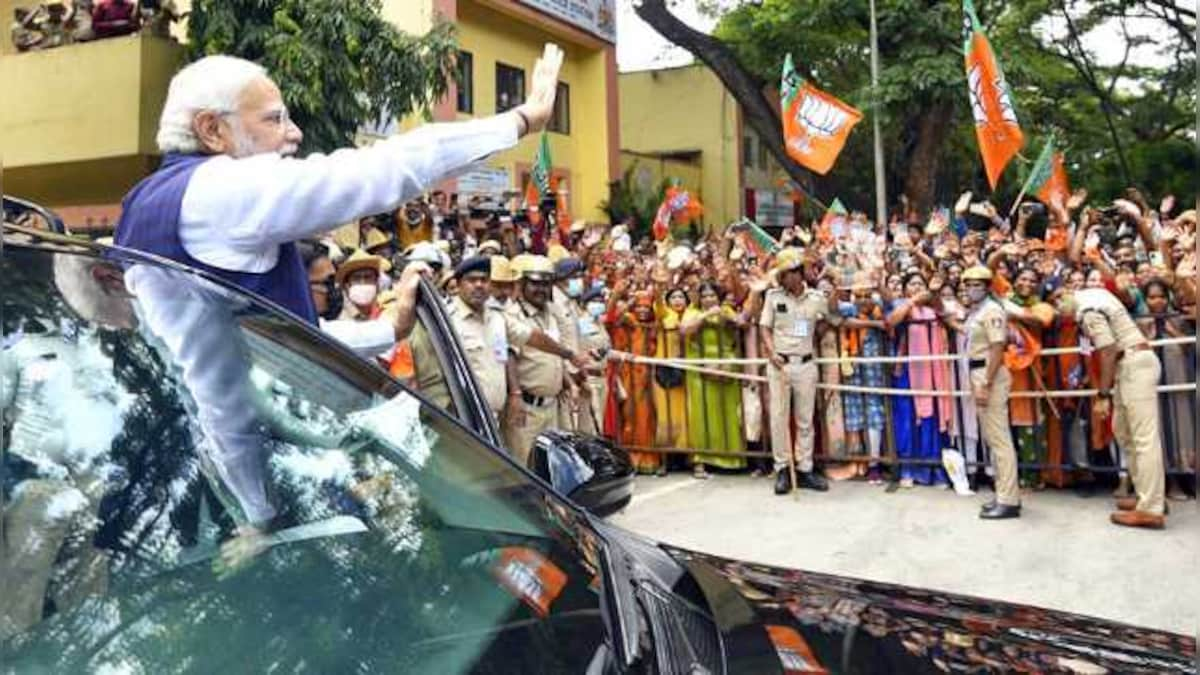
(975, 80)
(815, 124)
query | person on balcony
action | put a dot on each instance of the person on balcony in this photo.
(113, 18)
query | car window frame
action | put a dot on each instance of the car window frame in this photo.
(336, 357)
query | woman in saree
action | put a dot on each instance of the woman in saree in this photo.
(711, 329)
(634, 332)
(918, 421)
(1178, 367)
(670, 399)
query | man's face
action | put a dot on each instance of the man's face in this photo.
(473, 289)
(502, 290)
(792, 281)
(260, 124)
(536, 291)
(1125, 256)
(320, 274)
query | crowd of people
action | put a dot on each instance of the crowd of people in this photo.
(686, 322)
(48, 25)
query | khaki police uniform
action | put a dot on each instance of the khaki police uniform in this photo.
(485, 339)
(567, 314)
(1105, 321)
(539, 375)
(593, 338)
(987, 326)
(792, 321)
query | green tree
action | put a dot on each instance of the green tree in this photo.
(339, 63)
(1116, 121)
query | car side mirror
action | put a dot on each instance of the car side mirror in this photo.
(591, 471)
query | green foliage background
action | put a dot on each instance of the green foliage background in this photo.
(922, 67)
(339, 63)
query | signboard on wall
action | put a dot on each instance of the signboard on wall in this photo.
(773, 209)
(485, 180)
(598, 17)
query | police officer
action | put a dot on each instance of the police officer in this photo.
(789, 318)
(593, 339)
(533, 404)
(987, 335)
(487, 332)
(1129, 372)
(503, 280)
(568, 287)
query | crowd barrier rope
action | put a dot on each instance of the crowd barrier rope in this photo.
(702, 371)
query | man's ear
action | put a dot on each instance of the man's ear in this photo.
(207, 127)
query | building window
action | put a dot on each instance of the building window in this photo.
(762, 155)
(560, 121)
(466, 83)
(748, 152)
(510, 87)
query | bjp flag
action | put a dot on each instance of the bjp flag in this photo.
(815, 124)
(1048, 179)
(996, 125)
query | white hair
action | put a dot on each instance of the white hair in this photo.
(212, 83)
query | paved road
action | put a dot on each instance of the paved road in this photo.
(1062, 553)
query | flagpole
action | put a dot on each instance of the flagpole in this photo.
(880, 186)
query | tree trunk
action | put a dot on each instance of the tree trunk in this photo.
(757, 111)
(922, 165)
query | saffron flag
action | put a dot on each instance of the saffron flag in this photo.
(815, 124)
(1048, 179)
(996, 125)
(562, 214)
(678, 207)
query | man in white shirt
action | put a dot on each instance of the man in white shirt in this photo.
(231, 199)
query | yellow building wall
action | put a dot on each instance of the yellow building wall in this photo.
(83, 112)
(682, 110)
(492, 37)
(649, 172)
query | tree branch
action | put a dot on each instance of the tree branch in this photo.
(746, 89)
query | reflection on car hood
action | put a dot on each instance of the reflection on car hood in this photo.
(831, 624)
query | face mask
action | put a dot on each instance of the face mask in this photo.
(976, 295)
(575, 287)
(363, 294)
(596, 309)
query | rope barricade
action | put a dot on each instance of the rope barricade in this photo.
(732, 367)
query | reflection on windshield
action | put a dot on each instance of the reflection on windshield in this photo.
(185, 485)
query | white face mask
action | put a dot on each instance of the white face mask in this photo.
(976, 295)
(596, 309)
(363, 294)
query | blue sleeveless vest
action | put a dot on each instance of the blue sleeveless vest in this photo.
(150, 222)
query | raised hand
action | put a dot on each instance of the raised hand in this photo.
(539, 105)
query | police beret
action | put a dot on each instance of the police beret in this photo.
(568, 267)
(478, 263)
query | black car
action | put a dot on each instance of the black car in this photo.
(151, 412)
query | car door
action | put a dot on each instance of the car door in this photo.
(194, 481)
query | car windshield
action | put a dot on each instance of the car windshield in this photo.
(192, 480)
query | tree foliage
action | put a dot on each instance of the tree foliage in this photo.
(630, 200)
(339, 63)
(1120, 123)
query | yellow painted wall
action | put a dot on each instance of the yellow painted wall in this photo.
(648, 172)
(687, 109)
(491, 36)
(93, 105)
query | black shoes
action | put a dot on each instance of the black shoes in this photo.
(812, 481)
(783, 482)
(995, 511)
(809, 480)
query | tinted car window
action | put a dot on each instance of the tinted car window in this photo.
(192, 482)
